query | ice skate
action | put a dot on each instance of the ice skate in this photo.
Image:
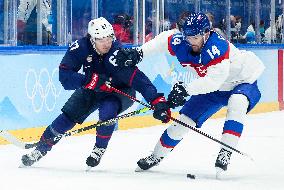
(31, 158)
(222, 162)
(148, 162)
(95, 157)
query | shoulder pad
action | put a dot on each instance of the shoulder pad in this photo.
(76, 54)
(79, 45)
(215, 50)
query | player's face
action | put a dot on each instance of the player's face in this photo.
(196, 42)
(103, 45)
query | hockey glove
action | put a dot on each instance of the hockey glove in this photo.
(161, 109)
(177, 95)
(98, 83)
(129, 57)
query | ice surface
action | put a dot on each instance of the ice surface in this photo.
(64, 167)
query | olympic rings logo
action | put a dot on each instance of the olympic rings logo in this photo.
(41, 89)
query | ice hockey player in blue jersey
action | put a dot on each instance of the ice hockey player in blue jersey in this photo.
(96, 53)
(226, 76)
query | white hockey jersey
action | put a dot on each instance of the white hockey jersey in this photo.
(220, 65)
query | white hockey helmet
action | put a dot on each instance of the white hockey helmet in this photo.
(100, 28)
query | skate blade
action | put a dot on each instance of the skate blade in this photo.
(89, 168)
(138, 169)
(23, 166)
(219, 173)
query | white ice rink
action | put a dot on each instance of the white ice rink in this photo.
(64, 167)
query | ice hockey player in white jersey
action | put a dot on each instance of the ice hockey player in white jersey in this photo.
(227, 76)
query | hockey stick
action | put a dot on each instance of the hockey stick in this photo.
(13, 140)
(182, 123)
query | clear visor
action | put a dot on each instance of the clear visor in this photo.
(191, 39)
(105, 40)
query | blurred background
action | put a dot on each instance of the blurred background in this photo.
(59, 22)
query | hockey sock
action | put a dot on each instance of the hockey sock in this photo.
(59, 126)
(107, 110)
(231, 133)
(104, 134)
(233, 127)
(172, 136)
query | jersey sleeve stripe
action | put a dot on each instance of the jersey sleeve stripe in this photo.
(169, 46)
(63, 66)
(132, 76)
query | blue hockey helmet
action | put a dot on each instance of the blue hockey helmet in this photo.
(196, 23)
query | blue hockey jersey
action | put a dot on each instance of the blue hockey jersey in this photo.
(82, 54)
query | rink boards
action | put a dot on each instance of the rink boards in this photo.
(31, 95)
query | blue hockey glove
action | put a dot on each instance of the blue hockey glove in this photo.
(129, 57)
(177, 95)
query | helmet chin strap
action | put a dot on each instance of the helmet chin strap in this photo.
(94, 45)
(205, 39)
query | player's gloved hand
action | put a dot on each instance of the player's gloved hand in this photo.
(177, 95)
(98, 83)
(129, 57)
(161, 109)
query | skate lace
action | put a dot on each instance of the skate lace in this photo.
(224, 157)
(35, 155)
(97, 153)
(152, 159)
